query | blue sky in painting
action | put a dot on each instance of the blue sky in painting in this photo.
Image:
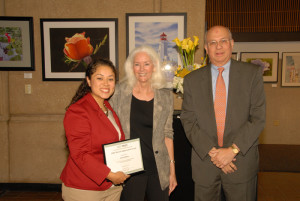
(148, 33)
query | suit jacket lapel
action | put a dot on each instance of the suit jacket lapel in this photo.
(210, 104)
(204, 84)
(101, 114)
(232, 93)
(157, 109)
(209, 93)
(207, 89)
(204, 100)
(126, 108)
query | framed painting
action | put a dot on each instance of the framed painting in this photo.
(290, 69)
(16, 44)
(157, 30)
(268, 61)
(69, 45)
(234, 56)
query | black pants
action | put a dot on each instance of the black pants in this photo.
(142, 186)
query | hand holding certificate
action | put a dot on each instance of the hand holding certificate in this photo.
(117, 178)
(125, 156)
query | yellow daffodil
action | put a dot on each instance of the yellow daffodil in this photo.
(184, 44)
(177, 41)
(196, 41)
(191, 45)
(186, 49)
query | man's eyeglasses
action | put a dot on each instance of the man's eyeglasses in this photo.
(221, 42)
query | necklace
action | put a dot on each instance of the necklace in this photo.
(105, 110)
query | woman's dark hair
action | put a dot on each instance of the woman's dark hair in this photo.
(84, 88)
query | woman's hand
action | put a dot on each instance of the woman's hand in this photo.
(172, 178)
(117, 177)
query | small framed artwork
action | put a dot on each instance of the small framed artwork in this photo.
(268, 61)
(16, 44)
(234, 56)
(69, 45)
(157, 30)
(291, 69)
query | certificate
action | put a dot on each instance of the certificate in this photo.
(125, 156)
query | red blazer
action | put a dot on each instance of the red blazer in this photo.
(87, 129)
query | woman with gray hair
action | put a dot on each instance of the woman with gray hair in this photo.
(145, 109)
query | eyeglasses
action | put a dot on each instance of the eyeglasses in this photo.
(222, 42)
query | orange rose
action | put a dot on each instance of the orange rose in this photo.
(78, 47)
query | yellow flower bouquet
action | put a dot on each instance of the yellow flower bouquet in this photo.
(187, 49)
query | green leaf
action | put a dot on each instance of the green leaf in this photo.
(10, 52)
(100, 44)
(16, 58)
(19, 50)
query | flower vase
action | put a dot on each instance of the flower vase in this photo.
(177, 101)
(190, 67)
(179, 95)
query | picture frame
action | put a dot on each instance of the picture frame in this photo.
(267, 60)
(60, 56)
(265, 36)
(16, 44)
(290, 69)
(158, 30)
(234, 55)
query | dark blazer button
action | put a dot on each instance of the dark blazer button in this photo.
(156, 152)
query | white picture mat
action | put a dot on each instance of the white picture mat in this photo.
(26, 61)
(84, 24)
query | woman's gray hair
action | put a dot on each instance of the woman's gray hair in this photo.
(158, 79)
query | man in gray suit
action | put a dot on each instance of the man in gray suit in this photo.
(228, 160)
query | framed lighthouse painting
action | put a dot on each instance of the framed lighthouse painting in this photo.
(157, 30)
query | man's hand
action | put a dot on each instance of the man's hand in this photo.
(213, 152)
(222, 157)
(227, 169)
(230, 168)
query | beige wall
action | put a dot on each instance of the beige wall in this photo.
(283, 115)
(4, 117)
(32, 143)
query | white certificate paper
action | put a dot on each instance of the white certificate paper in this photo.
(125, 156)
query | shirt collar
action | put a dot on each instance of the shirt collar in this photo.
(226, 66)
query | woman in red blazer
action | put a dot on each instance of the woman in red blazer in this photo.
(89, 123)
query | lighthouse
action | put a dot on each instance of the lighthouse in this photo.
(163, 48)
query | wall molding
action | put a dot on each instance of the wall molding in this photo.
(4, 94)
(36, 117)
(279, 158)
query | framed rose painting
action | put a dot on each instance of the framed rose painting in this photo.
(69, 45)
